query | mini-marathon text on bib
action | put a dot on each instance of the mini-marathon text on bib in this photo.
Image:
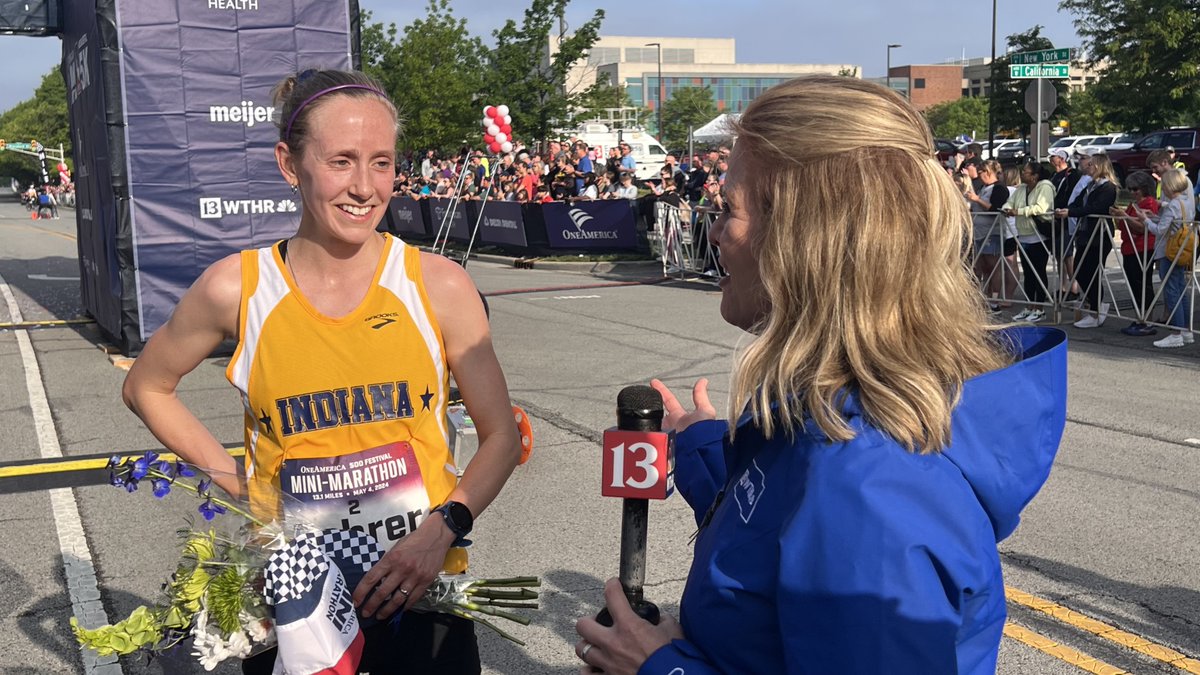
(377, 492)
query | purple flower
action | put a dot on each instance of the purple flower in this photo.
(202, 487)
(165, 468)
(130, 485)
(210, 510)
(115, 479)
(113, 462)
(162, 487)
(143, 465)
(184, 469)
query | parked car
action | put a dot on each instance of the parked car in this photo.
(1013, 153)
(1073, 143)
(1001, 143)
(945, 149)
(1110, 142)
(1183, 139)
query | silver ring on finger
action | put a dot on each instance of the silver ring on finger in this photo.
(404, 592)
(587, 646)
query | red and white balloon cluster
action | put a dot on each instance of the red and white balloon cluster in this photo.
(497, 129)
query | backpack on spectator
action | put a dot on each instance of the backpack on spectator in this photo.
(44, 199)
(1181, 246)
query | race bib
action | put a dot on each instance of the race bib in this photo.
(377, 492)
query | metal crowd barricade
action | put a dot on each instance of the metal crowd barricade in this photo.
(679, 237)
(1068, 266)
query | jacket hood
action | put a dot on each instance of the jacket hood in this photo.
(1008, 425)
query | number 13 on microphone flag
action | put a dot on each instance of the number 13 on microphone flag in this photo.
(637, 465)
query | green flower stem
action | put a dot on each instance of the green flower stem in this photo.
(155, 473)
(506, 603)
(511, 581)
(492, 611)
(482, 621)
(503, 595)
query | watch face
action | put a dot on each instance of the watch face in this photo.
(460, 516)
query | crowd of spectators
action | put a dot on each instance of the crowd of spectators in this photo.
(1069, 212)
(561, 170)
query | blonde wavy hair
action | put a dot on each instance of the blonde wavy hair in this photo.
(1104, 168)
(861, 239)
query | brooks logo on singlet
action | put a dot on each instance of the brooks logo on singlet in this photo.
(359, 404)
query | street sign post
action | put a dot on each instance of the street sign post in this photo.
(1060, 71)
(1041, 94)
(1040, 56)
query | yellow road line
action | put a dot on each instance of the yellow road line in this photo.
(43, 230)
(1060, 652)
(51, 322)
(91, 464)
(1100, 629)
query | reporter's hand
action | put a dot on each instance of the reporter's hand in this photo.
(622, 649)
(411, 565)
(676, 418)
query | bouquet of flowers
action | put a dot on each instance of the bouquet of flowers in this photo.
(235, 592)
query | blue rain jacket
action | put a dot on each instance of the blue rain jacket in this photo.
(834, 558)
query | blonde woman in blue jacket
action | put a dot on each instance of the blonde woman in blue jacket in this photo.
(880, 438)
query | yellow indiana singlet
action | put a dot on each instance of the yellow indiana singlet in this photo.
(345, 417)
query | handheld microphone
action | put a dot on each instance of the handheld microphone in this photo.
(636, 468)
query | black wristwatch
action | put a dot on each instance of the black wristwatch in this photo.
(458, 518)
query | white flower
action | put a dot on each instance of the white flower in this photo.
(239, 645)
(260, 629)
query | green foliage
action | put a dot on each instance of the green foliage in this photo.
(964, 116)
(524, 74)
(602, 96)
(1152, 50)
(42, 118)
(433, 73)
(688, 107)
(140, 629)
(1008, 95)
(1089, 116)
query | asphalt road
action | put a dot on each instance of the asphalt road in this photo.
(1110, 536)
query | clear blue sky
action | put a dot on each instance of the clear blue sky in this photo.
(767, 31)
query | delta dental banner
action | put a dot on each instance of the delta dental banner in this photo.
(189, 98)
(591, 225)
(459, 229)
(502, 224)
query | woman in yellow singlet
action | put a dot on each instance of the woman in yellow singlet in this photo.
(346, 342)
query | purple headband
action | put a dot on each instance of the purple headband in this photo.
(287, 135)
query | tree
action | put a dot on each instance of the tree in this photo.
(688, 107)
(42, 118)
(1151, 49)
(595, 102)
(1088, 116)
(964, 116)
(527, 77)
(434, 74)
(1007, 97)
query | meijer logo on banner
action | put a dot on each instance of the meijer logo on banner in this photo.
(215, 207)
(246, 113)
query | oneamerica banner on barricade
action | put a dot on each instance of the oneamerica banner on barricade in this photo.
(502, 224)
(595, 225)
(193, 93)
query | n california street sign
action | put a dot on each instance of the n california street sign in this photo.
(1054, 71)
(1040, 56)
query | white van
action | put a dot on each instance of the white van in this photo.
(648, 152)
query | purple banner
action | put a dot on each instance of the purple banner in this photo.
(502, 224)
(459, 229)
(406, 217)
(591, 225)
(203, 182)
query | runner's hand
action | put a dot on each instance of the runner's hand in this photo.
(411, 565)
(676, 418)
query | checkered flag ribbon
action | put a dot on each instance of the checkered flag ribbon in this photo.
(353, 552)
(292, 571)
